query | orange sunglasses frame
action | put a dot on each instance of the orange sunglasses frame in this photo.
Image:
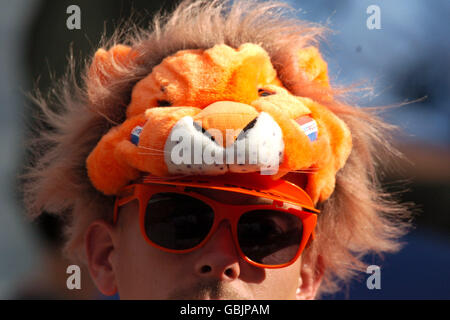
(230, 212)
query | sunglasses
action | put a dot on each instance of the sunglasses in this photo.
(177, 219)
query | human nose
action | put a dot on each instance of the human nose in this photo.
(219, 258)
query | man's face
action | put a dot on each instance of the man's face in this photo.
(213, 271)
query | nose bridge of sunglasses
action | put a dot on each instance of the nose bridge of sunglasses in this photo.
(278, 203)
(180, 188)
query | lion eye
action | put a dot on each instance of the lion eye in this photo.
(164, 103)
(265, 93)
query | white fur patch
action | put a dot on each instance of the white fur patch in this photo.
(263, 149)
(190, 151)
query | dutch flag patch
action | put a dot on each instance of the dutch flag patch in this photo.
(135, 134)
(309, 127)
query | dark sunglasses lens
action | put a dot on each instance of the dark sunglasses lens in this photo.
(269, 237)
(177, 221)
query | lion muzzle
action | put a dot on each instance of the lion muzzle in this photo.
(193, 148)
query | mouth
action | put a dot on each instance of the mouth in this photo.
(213, 290)
(202, 295)
(221, 298)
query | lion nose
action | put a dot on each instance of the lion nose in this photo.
(225, 120)
(191, 149)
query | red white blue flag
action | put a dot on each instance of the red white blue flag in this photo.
(309, 127)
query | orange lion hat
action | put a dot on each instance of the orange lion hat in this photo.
(218, 111)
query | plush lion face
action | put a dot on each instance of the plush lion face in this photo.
(209, 112)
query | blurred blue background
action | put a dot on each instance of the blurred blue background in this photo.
(407, 59)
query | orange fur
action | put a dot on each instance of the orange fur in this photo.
(200, 78)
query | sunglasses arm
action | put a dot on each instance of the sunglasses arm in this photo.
(127, 195)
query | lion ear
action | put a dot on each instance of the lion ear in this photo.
(305, 73)
(312, 66)
(108, 66)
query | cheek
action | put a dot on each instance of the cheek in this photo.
(143, 271)
(279, 283)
